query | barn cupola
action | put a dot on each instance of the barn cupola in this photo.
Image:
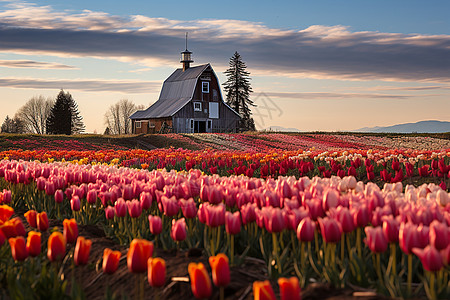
(186, 57)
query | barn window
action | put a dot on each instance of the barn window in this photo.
(215, 95)
(205, 87)
(192, 124)
(197, 106)
(138, 124)
(209, 124)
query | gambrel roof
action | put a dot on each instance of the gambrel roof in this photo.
(176, 92)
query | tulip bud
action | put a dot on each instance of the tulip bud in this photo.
(155, 224)
(262, 290)
(75, 203)
(220, 269)
(91, 196)
(330, 229)
(439, 235)
(59, 196)
(146, 200)
(56, 246)
(134, 208)
(110, 261)
(138, 254)
(121, 208)
(42, 221)
(375, 239)
(70, 230)
(81, 252)
(34, 243)
(305, 230)
(178, 232)
(31, 216)
(430, 257)
(18, 248)
(156, 272)
(289, 288)
(109, 212)
(232, 222)
(200, 281)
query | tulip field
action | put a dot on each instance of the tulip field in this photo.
(225, 216)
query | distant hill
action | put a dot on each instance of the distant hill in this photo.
(418, 127)
(281, 129)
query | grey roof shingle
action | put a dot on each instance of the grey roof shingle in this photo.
(176, 92)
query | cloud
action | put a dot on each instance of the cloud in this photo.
(88, 85)
(330, 52)
(32, 64)
(310, 95)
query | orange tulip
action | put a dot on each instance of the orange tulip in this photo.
(220, 269)
(34, 243)
(70, 230)
(31, 217)
(18, 248)
(5, 213)
(42, 221)
(289, 288)
(262, 290)
(81, 252)
(110, 260)
(56, 246)
(200, 281)
(138, 254)
(156, 272)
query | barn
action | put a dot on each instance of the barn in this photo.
(190, 102)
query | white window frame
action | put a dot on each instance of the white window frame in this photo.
(199, 106)
(138, 124)
(205, 84)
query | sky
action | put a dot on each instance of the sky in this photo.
(333, 65)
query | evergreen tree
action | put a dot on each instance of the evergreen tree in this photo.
(14, 125)
(238, 89)
(64, 116)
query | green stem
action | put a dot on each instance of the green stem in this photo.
(302, 255)
(342, 247)
(275, 252)
(394, 263)
(358, 242)
(378, 268)
(211, 240)
(409, 278)
(432, 290)
(232, 249)
(222, 293)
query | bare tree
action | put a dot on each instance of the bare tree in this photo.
(34, 114)
(117, 117)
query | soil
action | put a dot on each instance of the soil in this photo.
(123, 283)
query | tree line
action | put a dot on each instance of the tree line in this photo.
(42, 115)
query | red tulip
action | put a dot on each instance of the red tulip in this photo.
(262, 290)
(81, 252)
(34, 243)
(134, 208)
(200, 281)
(5, 213)
(215, 214)
(331, 230)
(138, 254)
(155, 224)
(178, 232)
(305, 230)
(56, 246)
(376, 240)
(110, 260)
(18, 248)
(70, 230)
(50, 188)
(215, 195)
(170, 206)
(430, 257)
(91, 196)
(276, 221)
(156, 272)
(232, 222)
(31, 218)
(42, 221)
(361, 215)
(109, 212)
(289, 288)
(2, 238)
(146, 200)
(220, 269)
(345, 218)
(5, 196)
(423, 171)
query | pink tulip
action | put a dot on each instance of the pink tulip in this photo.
(121, 208)
(439, 235)
(305, 230)
(294, 216)
(91, 196)
(59, 196)
(178, 232)
(232, 222)
(188, 208)
(155, 224)
(146, 200)
(430, 257)
(408, 238)
(50, 188)
(391, 229)
(215, 215)
(134, 208)
(345, 218)
(170, 206)
(127, 192)
(75, 203)
(330, 199)
(276, 221)
(330, 229)
(361, 215)
(109, 213)
(315, 209)
(376, 240)
(215, 195)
